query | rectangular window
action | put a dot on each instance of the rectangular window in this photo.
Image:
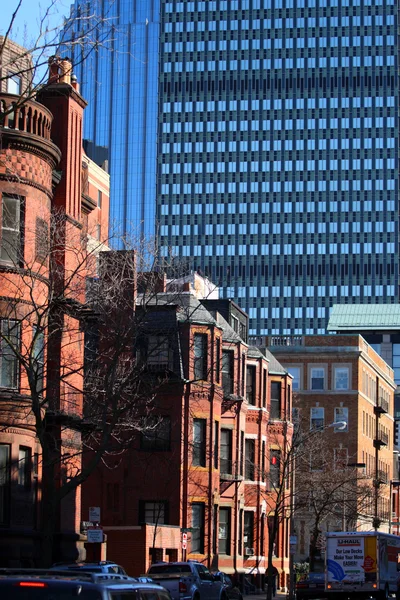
(4, 484)
(14, 84)
(275, 467)
(317, 378)
(250, 459)
(226, 452)
(218, 361)
(10, 238)
(275, 400)
(248, 531)
(200, 356)
(99, 198)
(240, 536)
(159, 353)
(153, 511)
(317, 417)
(342, 378)
(197, 528)
(156, 434)
(224, 531)
(38, 358)
(341, 458)
(263, 474)
(199, 442)
(295, 373)
(251, 384)
(9, 339)
(216, 444)
(227, 372)
(264, 400)
(342, 416)
(241, 470)
(25, 467)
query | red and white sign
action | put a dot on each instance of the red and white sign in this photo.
(184, 541)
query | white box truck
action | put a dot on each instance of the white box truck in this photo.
(362, 564)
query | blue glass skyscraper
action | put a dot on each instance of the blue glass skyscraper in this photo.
(120, 82)
(277, 159)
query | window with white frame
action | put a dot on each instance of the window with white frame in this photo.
(317, 378)
(295, 373)
(10, 239)
(317, 417)
(342, 378)
(342, 416)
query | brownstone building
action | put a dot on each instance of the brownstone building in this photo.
(48, 193)
(340, 378)
(197, 483)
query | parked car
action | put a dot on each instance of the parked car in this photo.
(187, 580)
(42, 584)
(103, 566)
(232, 591)
(312, 586)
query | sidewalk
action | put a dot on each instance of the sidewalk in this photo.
(263, 596)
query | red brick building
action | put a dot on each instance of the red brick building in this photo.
(43, 176)
(196, 484)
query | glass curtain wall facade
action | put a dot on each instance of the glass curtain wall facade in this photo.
(277, 169)
(120, 82)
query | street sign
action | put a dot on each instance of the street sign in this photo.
(186, 529)
(95, 535)
(94, 514)
(293, 539)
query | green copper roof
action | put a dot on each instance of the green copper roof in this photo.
(350, 317)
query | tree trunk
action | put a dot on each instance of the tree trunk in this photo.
(313, 545)
(50, 503)
(270, 569)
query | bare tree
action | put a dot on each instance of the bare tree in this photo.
(305, 476)
(79, 34)
(74, 318)
(329, 485)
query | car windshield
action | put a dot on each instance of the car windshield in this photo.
(85, 568)
(178, 569)
(19, 591)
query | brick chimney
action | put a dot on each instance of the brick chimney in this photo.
(62, 98)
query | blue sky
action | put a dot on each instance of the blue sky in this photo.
(26, 25)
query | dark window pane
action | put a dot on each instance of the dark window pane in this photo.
(156, 434)
(9, 340)
(251, 384)
(275, 400)
(197, 528)
(227, 372)
(224, 533)
(250, 458)
(199, 442)
(226, 451)
(200, 356)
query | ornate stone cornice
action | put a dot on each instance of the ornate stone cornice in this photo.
(29, 142)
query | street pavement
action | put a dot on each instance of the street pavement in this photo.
(263, 596)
